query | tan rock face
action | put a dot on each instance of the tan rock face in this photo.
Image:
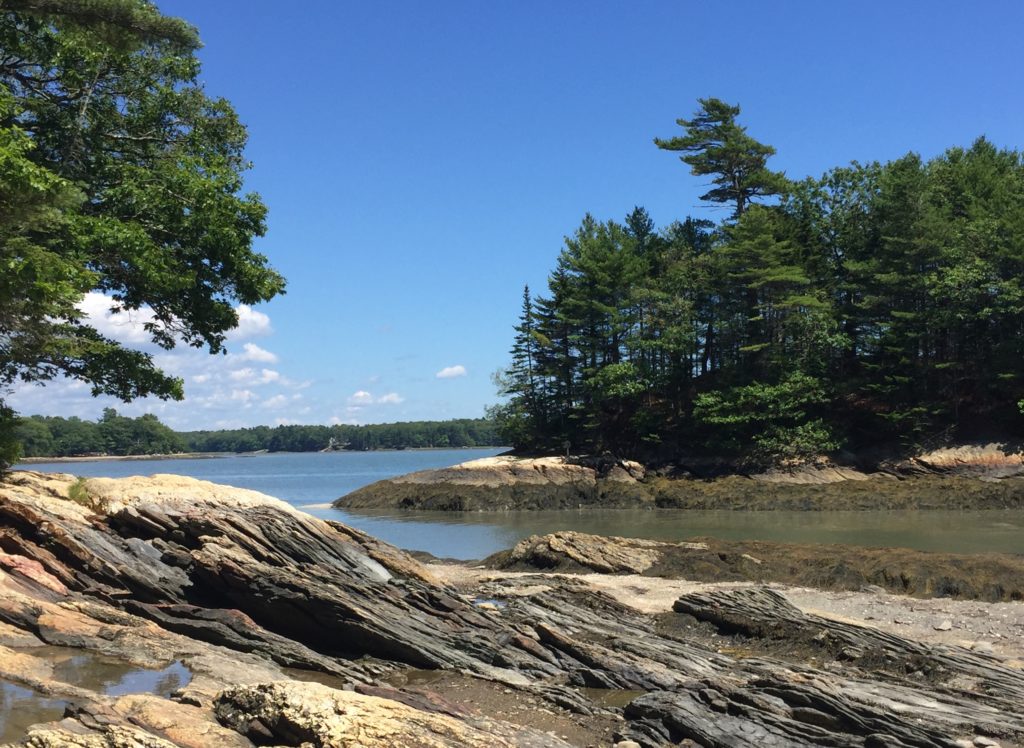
(506, 471)
(292, 712)
(176, 491)
(981, 458)
(32, 569)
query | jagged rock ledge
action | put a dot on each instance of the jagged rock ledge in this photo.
(969, 477)
(257, 600)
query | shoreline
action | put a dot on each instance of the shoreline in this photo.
(966, 477)
(171, 569)
(127, 458)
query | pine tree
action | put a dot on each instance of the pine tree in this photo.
(715, 144)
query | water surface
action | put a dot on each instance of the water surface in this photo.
(312, 480)
(22, 707)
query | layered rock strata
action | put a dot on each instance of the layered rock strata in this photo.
(257, 600)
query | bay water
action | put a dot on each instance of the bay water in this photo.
(310, 481)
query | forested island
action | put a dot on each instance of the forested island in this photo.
(117, 435)
(878, 304)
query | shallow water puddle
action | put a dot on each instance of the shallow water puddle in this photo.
(21, 707)
(611, 698)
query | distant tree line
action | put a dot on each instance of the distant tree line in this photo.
(114, 434)
(463, 432)
(879, 303)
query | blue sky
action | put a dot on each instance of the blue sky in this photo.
(422, 161)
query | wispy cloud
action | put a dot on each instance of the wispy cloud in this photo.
(450, 372)
(276, 402)
(392, 398)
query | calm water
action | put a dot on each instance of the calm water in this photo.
(21, 707)
(310, 480)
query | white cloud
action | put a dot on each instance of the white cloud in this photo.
(124, 327)
(251, 323)
(129, 326)
(362, 397)
(252, 352)
(450, 372)
(248, 386)
(392, 398)
(250, 376)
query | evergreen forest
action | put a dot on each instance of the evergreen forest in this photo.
(881, 304)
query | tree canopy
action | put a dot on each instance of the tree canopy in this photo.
(118, 175)
(878, 303)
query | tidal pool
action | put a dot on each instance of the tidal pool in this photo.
(21, 707)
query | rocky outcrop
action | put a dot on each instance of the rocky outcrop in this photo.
(962, 478)
(309, 714)
(776, 677)
(576, 551)
(255, 600)
(506, 482)
(223, 567)
(989, 576)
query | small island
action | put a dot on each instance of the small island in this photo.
(966, 477)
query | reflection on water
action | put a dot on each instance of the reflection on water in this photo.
(21, 707)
